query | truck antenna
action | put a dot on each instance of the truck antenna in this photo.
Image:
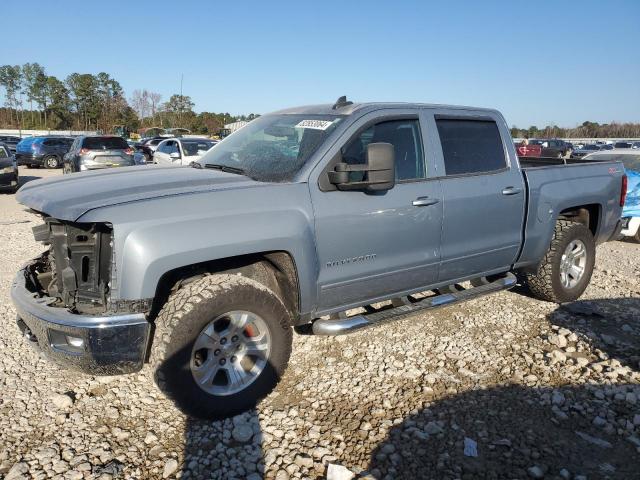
(341, 102)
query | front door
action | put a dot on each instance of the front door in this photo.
(372, 246)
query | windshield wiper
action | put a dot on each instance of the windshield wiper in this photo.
(225, 168)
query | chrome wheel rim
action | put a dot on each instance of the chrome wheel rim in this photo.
(230, 353)
(573, 264)
(52, 162)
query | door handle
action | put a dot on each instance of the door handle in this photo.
(511, 191)
(424, 201)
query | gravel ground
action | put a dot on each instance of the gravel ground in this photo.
(501, 387)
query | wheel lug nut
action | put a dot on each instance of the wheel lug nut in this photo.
(223, 340)
(234, 358)
(223, 361)
(216, 352)
(234, 338)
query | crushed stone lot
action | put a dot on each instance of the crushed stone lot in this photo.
(501, 387)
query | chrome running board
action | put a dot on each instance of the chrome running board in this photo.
(341, 324)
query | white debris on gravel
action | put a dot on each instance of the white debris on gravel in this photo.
(542, 390)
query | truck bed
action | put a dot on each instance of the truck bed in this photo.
(538, 162)
(555, 185)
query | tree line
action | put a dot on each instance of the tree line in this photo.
(586, 130)
(83, 101)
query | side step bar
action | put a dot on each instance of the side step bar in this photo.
(341, 324)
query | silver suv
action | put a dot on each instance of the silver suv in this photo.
(97, 152)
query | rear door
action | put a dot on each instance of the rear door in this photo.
(375, 245)
(484, 195)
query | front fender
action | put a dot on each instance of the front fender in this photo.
(156, 236)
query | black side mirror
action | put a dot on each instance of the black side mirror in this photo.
(380, 170)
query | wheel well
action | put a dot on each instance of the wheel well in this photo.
(588, 215)
(276, 270)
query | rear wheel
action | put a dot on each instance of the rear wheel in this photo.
(52, 161)
(222, 344)
(565, 271)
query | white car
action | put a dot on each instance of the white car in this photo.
(181, 151)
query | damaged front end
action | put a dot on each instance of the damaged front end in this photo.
(76, 270)
(63, 300)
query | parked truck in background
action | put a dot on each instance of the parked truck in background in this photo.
(553, 147)
(298, 218)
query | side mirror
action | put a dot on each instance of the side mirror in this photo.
(174, 156)
(380, 171)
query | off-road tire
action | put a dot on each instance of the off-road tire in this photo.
(51, 160)
(183, 317)
(545, 283)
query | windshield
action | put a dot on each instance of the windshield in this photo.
(630, 162)
(196, 147)
(273, 148)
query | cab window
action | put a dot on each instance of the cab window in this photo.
(405, 137)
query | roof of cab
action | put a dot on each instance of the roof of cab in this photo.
(328, 109)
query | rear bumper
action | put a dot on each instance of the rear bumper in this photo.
(630, 226)
(29, 159)
(98, 345)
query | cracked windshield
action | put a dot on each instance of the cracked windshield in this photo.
(272, 148)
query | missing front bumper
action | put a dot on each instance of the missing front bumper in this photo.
(99, 345)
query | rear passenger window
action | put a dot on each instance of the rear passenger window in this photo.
(470, 146)
(404, 135)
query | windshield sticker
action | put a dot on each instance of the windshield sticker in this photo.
(315, 124)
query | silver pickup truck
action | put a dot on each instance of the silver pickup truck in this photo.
(321, 219)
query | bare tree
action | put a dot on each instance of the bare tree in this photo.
(140, 102)
(155, 99)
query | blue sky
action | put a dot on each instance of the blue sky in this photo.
(540, 62)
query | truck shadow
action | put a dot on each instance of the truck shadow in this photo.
(611, 325)
(510, 432)
(225, 448)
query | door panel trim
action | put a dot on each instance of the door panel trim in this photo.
(486, 252)
(376, 276)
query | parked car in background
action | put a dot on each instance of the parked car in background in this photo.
(531, 150)
(42, 151)
(635, 145)
(622, 144)
(553, 147)
(8, 169)
(148, 146)
(608, 146)
(96, 152)
(586, 150)
(631, 210)
(181, 151)
(10, 141)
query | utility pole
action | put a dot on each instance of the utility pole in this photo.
(181, 100)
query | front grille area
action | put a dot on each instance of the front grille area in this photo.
(77, 268)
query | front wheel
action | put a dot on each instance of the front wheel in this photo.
(565, 271)
(221, 345)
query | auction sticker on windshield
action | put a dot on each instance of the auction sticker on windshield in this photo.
(315, 124)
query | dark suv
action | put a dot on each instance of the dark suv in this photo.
(42, 151)
(96, 152)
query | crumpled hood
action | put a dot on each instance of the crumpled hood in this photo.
(68, 197)
(632, 203)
